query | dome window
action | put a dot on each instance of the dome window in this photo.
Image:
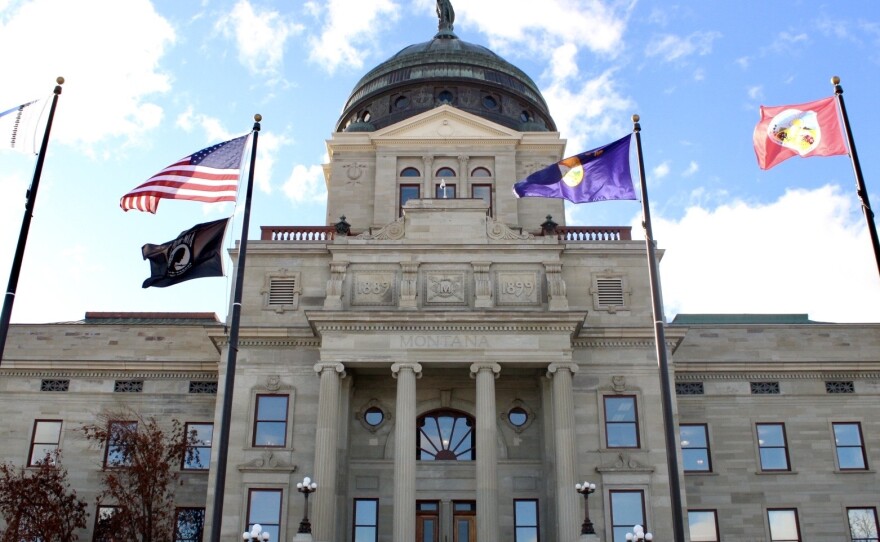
(401, 102)
(366, 116)
(489, 102)
(524, 116)
(445, 97)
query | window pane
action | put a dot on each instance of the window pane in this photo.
(410, 172)
(365, 511)
(695, 460)
(265, 508)
(770, 435)
(621, 435)
(428, 530)
(693, 436)
(271, 408)
(450, 192)
(463, 531)
(40, 451)
(626, 508)
(773, 459)
(847, 434)
(364, 534)
(526, 534)
(862, 524)
(850, 458)
(620, 409)
(702, 526)
(190, 524)
(270, 434)
(47, 432)
(526, 513)
(783, 525)
(204, 433)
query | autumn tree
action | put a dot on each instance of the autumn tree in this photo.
(38, 504)
(141, 465)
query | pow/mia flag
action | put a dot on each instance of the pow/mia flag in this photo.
(193, 255)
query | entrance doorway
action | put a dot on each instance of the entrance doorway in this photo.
(464, 521)
(428, 521)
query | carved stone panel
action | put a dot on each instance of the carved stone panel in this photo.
(373, 288)
(518, 288)
(445, 288)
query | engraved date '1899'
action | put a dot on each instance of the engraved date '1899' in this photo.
(518, 288)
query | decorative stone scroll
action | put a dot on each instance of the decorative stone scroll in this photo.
(334, 285)
(409, 284)
(555, 286)
(517, 288)
(482, 285)
(499, 231)
(376, 288)
(389, 232)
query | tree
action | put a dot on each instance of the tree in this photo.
(141, 461)
(38, 504)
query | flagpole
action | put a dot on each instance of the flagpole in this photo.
(861, 190)
(8, 300)
(660, 340)
(232, 352)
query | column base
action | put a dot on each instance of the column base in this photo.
(304, 537)
(588, 538)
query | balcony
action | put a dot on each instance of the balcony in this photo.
(326, 234)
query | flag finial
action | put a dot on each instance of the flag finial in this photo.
(258, 117)
(59, 80)
(636, 126)
(835, 80)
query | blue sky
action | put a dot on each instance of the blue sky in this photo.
(150, 82)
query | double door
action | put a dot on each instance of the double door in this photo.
(429, 522)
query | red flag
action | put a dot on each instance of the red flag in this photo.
(810, 129)
(209, 175)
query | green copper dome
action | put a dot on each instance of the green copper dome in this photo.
(445, 70)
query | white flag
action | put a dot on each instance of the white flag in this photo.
(19, 127)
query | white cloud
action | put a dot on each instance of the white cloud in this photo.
(807, 252)
(692, 168)
(349, 31)
(109, 57)
(260, 36)
(661, 171)
(743, 62)
(756, 92)
(306, 185)
(672, 47)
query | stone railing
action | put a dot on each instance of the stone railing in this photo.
(329, 233)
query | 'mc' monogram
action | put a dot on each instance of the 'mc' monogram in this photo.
(444, 341)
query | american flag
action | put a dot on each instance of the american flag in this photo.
(209, 175)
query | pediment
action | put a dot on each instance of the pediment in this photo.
(445, 122)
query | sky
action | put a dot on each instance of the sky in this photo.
(148, 82)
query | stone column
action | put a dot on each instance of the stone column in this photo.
(487, 459)
(405, 452)
(323, 514)
(568, 519)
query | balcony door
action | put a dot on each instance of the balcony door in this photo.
(464, 521)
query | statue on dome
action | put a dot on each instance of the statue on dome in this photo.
(446, 14)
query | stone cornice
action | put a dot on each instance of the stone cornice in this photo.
(776, 375)
(254, 342)
(110, 373)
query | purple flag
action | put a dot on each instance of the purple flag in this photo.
(597, 175)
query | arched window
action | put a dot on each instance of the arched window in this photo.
(480, 172)
(445, 172)
(410, 172)
(446, 435)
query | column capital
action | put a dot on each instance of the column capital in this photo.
(553, 368)
(415, 367)
(337, 367)
(482, 366)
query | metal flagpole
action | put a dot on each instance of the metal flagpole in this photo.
(232, 351)
(8, 300)
(861, 190)
(660, 339)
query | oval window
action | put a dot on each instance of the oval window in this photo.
(517, 416)
(401, 102)
(524, 116)
(374, 416)
(489, 102)
(445, 97)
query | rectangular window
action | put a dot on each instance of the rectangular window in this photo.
(264, 507)
(104, 528)
(198, 453)
(703, 525)
(270, 421)
(627, 509)
(783, 525)
(428, 521)
(408, 192)
(862, 524)
(448, 194)
(189, 525)
(483, 192)
(525, 520)
(45, 439)
(695, 447)
(772, 447)
(621, 422)
(850, 446)
(366, 520)
(117, 454)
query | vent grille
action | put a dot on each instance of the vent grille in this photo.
(128, 386)
(840, 386)
(54, 385)
(196, 386)
(282, 291)
(765, 388)
(610, 292)
(689, 388)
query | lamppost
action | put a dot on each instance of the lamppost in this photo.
(639, 534)
(586, 489)
(257, 534)
(306, 487)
